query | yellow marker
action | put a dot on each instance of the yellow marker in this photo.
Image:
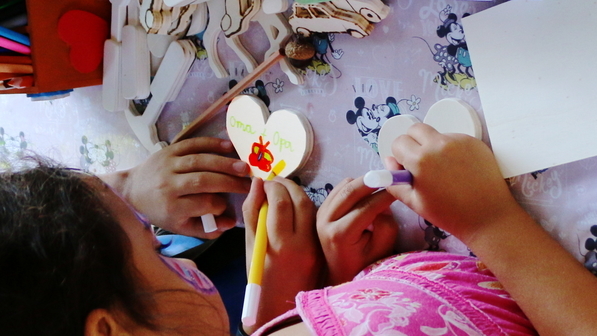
(260, 248)
(253, 290)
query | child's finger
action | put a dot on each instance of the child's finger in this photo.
(252, 204)
(198, 205)
(346, 199)
(201, 145)
(363, 214)
(422, 133)
(385, 232)
(304, 209)
(404, 149)
(207, 162)
(390, 163)
(280, 212)
(335, 192)
(207, 182)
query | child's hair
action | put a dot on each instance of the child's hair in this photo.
(62, 255)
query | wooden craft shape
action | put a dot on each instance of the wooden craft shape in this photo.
(448, 115)
(262, 139)
(181, 3)
(158, 18)
(199, 20)
(118, 18)
(164, 88)
(372, 10)
(158, 44)
(274, 6)
(238, 15)
(112, 99)
(136, 66)
(275, 26)
(354, 17)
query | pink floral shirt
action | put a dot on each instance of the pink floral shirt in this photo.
(427, 293)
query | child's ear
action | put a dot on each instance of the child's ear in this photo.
(101, 322)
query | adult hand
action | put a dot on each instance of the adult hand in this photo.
(355, 229)
(293, 259)
(457, 184)
(180, 183)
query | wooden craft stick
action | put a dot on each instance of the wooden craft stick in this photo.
(16, 68)
(224, 99)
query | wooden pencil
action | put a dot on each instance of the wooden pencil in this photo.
(227, 97)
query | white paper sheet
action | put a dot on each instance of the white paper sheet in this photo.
(536, 64)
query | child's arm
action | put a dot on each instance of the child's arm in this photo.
(355, 229)
(294, 260)
(458, 187)
(180, 183)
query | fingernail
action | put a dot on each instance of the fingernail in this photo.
(226, 144)
(240, 166)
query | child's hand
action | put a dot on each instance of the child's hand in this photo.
(294, 260)
(180, 183)
(457, 184)
(355, 229)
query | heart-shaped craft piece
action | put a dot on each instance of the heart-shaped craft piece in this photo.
(85, 34)
(278, 143)
(448, 115)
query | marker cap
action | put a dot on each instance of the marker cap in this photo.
(209, 223)
(386, 178)
(250, 304)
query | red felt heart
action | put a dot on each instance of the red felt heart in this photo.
(85, 33)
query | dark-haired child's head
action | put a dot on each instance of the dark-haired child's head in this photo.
(78, 260)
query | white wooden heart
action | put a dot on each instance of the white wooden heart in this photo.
(390, 130)
(263, 140)
(448, 115)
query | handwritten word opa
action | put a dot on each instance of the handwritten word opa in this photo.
(282, 143)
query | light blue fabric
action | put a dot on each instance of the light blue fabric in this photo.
(177, 244)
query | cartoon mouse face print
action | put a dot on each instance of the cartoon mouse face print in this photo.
(368, 120)
(451, 30)
(456, 34)
(383, 112)
(591, 246)
(433, 235)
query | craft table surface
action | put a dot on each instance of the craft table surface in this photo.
(395, 61)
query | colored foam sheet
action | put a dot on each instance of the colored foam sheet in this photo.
(538, 103)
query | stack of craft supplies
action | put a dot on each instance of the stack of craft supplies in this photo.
(16, 72)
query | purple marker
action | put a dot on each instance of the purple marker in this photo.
(386, 178)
